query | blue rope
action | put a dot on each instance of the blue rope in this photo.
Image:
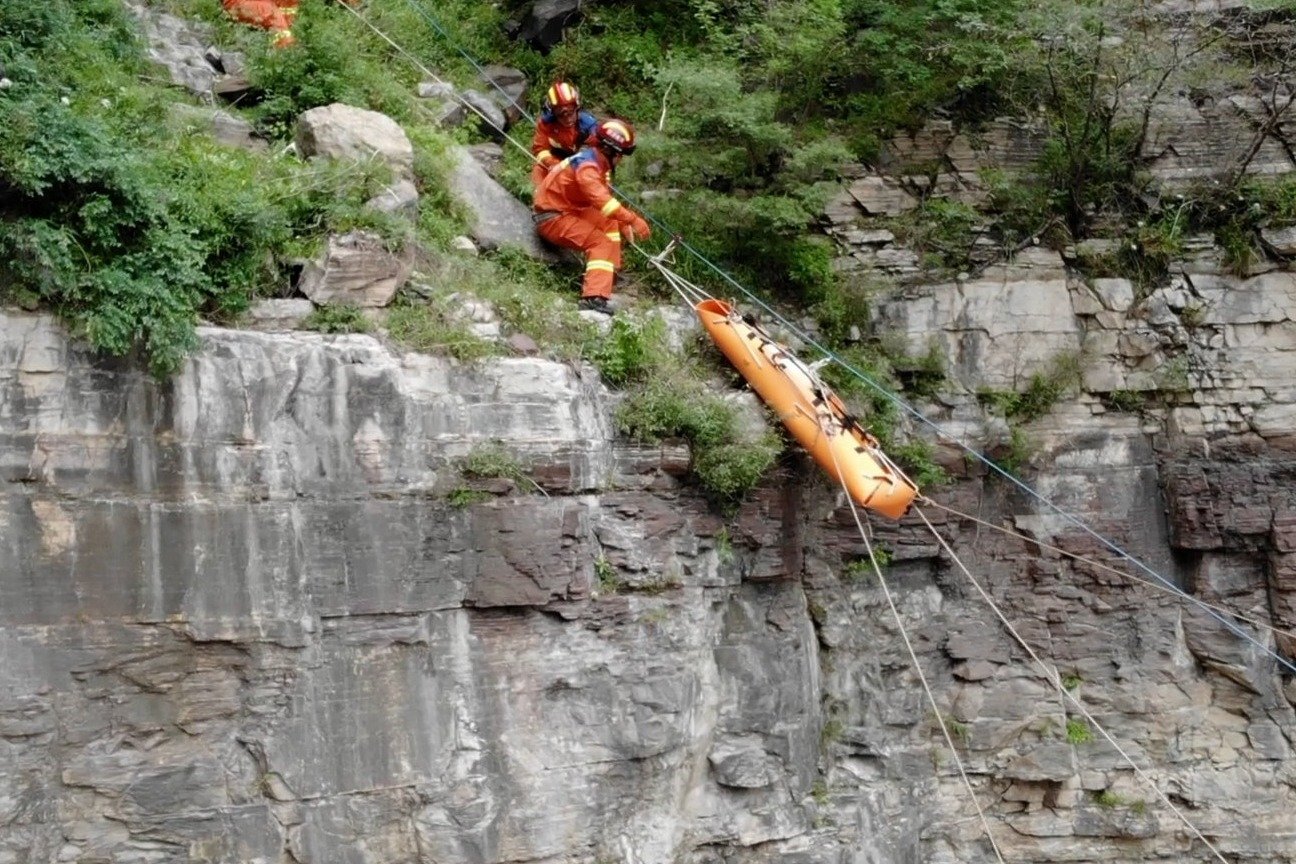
(436, 25)
(883, 391)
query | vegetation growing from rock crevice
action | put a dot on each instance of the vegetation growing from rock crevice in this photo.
(726, 462)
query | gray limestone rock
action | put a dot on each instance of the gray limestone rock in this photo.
(278, 314)
(488, 113)
(356, 269)
(179, 45)
(344, 132)
(222, 125)
(401, 198)
(498, 219)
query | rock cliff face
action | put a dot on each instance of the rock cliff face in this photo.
(256, 613)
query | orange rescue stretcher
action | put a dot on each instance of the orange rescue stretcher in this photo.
(812, 413)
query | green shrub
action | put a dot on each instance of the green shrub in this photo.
(427, 328)
(1239, 245)
(838, 307)
(915, 457)
(728, 470)
(1172, 376)
(1126, 400)
(631, 351)
(609, 582)
(492, 461)
(941, 231)
(1042, 391)
(725, 465)
(461, 497)
(87, 229)
(861, 569)
(1078, 731)
(1014, 455)
(924, 375)
(337, 318)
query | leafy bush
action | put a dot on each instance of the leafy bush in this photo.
(126, 222)
(337, 318)
(1041, 393)
(86, 227)
(941, 231)
(916, 459)
(491, 461)
(630, 351)
(725, 465)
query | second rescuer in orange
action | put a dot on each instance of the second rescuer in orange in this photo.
(575, 209)
(562, 129)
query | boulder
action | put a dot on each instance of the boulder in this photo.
(543, 26)
(357, 269)
(497, 218)
(340, 131)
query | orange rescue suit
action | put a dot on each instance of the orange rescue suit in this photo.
(554, 142)
(277, 16)
(575, 209)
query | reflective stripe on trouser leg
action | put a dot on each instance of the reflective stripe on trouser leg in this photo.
(602, 254)
(599, 276)
(611, 232)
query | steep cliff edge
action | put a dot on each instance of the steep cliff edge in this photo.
(249, 616)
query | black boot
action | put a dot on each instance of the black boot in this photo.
(596, 304)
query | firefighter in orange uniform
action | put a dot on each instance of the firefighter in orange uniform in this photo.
(563, 128)
(277, 16)
(575, 209)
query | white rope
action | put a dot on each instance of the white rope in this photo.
(1055, 679)
(1098, 565)
(689, 292)
(428, 72)
(913, 658)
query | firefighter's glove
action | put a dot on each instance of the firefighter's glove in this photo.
(639, 229)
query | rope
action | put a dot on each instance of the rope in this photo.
(1055, 679)
(690, 293)
(1098, 565)
(454, 90)
(835, 358)
(913, 658)
(436, 25)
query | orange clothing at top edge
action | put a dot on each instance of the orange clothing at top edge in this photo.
(277, 16)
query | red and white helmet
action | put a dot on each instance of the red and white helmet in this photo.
(616, 135)
(562, 95)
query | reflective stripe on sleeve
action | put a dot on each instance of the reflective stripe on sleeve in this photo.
(611, 207)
